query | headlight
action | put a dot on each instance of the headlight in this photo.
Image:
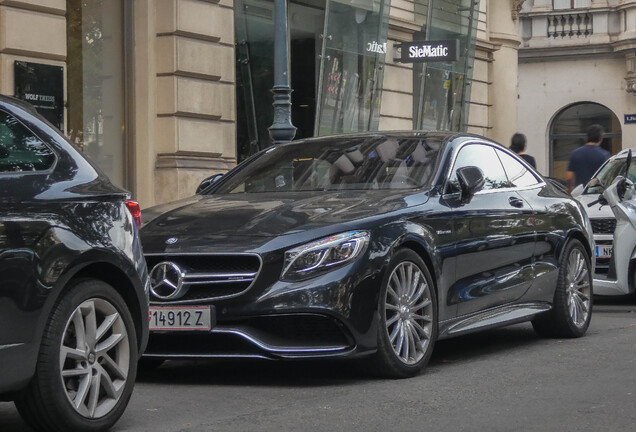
(323, 254)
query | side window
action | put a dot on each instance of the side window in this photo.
(517, 173)
(483, 157)
(20, 150)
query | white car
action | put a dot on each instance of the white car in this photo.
(603, 222)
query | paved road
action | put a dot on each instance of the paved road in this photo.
(502, 380)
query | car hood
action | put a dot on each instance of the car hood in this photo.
(216, 219)
(596, 211)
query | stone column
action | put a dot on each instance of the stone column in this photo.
(144, 106)
(195, 101)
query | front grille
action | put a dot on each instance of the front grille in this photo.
(204, 277)
(603, 226)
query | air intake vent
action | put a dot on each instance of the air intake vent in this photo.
(603, 226)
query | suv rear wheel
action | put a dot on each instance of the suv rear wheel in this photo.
(87, 362)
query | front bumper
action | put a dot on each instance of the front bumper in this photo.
(608, 287)
(331, 315)
(270, 337)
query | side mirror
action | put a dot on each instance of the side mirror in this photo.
(207, 182)
(578, 190)
(622, 187)
(471, 180)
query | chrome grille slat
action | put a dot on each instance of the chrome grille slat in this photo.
(185, 282)
(220, 275)
(204, 278)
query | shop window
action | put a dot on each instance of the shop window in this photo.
(337, 51)
(353, 56)
(96, 83)
(441, 90)
(568, 132)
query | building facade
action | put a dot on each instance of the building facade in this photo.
(577, 67)
(163, 93)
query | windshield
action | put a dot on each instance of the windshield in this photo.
(374, 162)
(612, 169)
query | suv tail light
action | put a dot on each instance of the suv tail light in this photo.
(135, 211)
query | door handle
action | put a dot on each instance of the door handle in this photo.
(515, 202)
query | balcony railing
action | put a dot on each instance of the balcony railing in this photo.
(573, 25)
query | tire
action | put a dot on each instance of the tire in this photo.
(87, 363)
(572, 306)
(407, 328)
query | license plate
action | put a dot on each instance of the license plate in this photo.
(604, 251)
(181, 318)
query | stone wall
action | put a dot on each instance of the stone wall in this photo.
(195, 103)
(573, 56)
(19, 41)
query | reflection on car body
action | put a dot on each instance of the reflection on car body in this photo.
(73, 281)
(370, 246)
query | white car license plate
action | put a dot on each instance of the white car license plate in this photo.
(604, 251)
(181, 318)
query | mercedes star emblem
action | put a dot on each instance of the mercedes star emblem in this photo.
(166, 281)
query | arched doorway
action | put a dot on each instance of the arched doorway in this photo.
(567, 133)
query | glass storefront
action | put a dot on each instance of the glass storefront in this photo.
(337, 51)
(337, 58)
(96, 83)
(353, 59)
(441, 91)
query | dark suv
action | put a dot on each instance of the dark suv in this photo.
(73, 281)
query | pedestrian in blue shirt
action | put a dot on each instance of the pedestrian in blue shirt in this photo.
(585, 160)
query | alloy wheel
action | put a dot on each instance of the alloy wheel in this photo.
(409, 312)
(578, 288)
(94, 358)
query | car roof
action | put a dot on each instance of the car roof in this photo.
(442, 136)
(392, 134)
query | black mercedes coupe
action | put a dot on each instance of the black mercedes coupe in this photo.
(366, 246)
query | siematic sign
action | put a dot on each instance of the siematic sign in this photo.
(429, 51)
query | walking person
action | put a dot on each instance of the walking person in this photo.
(585, 160)
(518, 145)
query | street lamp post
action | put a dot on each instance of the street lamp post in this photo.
(282, 130)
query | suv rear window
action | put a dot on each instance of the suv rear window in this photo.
(20, 149)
